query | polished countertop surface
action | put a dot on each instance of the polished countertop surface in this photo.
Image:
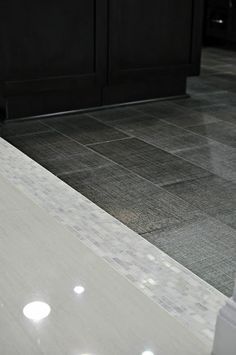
(86, 306)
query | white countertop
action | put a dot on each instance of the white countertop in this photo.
(41, 260)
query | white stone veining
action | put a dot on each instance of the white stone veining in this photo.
(185, 296)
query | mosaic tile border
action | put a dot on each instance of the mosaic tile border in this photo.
(185, 296)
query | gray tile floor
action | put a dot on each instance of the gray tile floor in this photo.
(165, 169)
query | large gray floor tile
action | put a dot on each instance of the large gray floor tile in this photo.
(149, 162)
(131, 199)
(85, 130)
(14, 129)
(208, 233)
(192, 102)
(199, 86)
(58, 153)
(196, 101)
(207, 248)
(222, 132)
(86, 160)
(162, 109)
(221, 81)
(160, 133)
(46, 146)
(223, 112)
(114, 114)
(220, 97)
(211, 194)
(228, 218)
(153, 131)
(175, 144)
(215, 157)
(215, 275)
(192, 119)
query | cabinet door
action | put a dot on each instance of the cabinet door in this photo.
(149, 34)
(54, 46)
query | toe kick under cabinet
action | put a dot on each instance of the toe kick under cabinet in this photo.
(65, 55)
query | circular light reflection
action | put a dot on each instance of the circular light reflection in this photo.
(79, 290)
(36, 310)
(147, 352)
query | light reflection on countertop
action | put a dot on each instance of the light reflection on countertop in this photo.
(79, 290)
(36, 311)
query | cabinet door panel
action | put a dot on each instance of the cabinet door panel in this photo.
(149, 33)
(52, 47)
(47, 38)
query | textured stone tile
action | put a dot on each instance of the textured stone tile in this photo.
(211, 60)
(207, 233)
(227, 114)
(193, 119)
(175, 144)
(198, 86)
(138, 123)
(149, 162)
(228, 266)
(222, 132)
(216, 276)
(215, 157)
(228, 218)
(221, 81)
(121, 195)
(220, 97)
(211, 194)
(207, 70)
(47, 146)
(134, 201)
(86, 160)
(114, 114)
(161, 109)
(213, 109)
(85, 130)
(222, 112)
(194, 101)
(204, 248)
(160, 133)
(13, 129)
(134, 148)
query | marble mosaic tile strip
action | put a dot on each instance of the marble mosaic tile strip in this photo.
(185, 296)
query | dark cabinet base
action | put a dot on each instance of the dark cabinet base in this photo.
(165, 86)
(42, 103)
(51, 102)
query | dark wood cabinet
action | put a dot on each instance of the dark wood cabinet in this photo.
(65, 55)
(149, 46)
(52, 55)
